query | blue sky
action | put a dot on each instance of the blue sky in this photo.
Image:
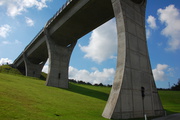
(94, 57)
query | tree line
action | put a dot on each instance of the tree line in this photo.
(88, 83)
(176, 86)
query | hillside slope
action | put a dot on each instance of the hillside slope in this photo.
(8, 69)
(26, 98)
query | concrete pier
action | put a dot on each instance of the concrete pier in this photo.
(59, 57)
(31, 69)
(133, 92)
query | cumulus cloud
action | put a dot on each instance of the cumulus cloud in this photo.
(29, 21)
(103, 43)
(152, 22)
(170, 17)
(106, 76)
(16, 7)
(4, 30)
(5, 61)
(160, 72)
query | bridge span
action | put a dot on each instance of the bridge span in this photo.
(133, 92)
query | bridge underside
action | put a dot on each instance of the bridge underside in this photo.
(92, 14)
(133, 92)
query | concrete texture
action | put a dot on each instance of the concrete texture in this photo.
(32, 70)
(59, 57)
(133, 70)
(133, 92)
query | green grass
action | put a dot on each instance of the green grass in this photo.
(170, 101)
(9, 70)
(26, 98)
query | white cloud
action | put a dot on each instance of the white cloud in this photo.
(4, 30)
(45, 69)
(159, 72)
(148, 33)
(17, 42)
(170, 16)
(29, 21)
(16, 7)
(5, 42)
(5, 61)
(152, 22)
(106, 76)
(103, 43)
(1, 2)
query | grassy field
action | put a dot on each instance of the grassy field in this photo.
(26, 98)
(170, 101)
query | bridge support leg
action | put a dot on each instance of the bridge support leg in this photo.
(133, 93)
(32, 70)
(59, 57)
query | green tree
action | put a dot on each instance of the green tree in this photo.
(176, 86)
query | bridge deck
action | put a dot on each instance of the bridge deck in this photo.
(74, 20)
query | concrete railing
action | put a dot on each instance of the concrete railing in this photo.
(58, 12)
(41, 31)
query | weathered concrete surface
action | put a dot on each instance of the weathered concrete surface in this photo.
(59, 57)
(32, 70)
(133, 70)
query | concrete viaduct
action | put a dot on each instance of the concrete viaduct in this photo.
(133, 93)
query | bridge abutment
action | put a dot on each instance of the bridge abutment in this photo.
(31, 69)
(133, 93)
(59, 57)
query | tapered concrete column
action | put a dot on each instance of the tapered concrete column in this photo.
(133, 93)
(59, 57)
(32, 70)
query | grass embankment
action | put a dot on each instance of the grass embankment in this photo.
(170, 101)
(26, 98)
(8, 69)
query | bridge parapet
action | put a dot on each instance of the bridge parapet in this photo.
(58, 12)
(34, 39)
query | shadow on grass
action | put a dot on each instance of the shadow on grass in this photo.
(88, 92)
(168, 112)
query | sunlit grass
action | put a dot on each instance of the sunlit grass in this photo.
(26, 98)
(170, 101)
(29, 99)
